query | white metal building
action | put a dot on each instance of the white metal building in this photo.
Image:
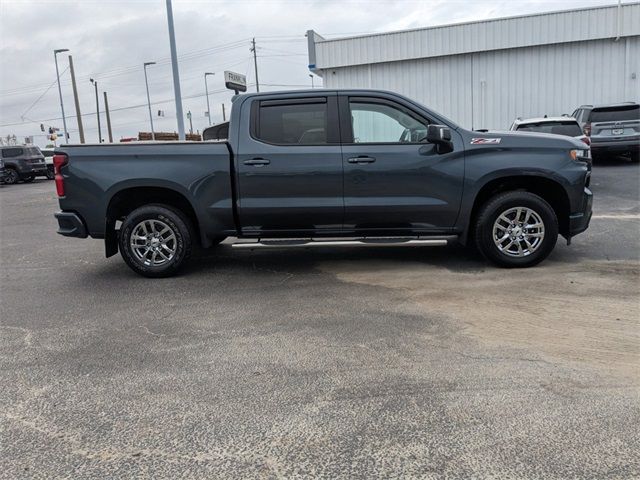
(485, 74)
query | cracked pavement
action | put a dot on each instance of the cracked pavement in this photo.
(323, 363)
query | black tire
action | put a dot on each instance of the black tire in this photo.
(11, 177)
(28, 178)
(500, 204)
(179, 225)
(635, 157)
(50, 173)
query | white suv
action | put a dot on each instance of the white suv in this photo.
(567, 126)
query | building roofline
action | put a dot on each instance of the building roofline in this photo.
(472, 22)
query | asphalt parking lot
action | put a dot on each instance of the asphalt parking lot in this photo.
(324, 363)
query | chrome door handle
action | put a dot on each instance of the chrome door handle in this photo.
(257, 162)
(361, 160)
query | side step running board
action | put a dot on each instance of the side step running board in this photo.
(352, 242)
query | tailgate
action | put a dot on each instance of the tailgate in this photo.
(615, 130)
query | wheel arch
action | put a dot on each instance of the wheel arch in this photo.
(548, 189)
(124, 201)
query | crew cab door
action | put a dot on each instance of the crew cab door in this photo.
(393, 180)
(289, 165)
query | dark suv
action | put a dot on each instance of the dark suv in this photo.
(614, 129)
(22, 163)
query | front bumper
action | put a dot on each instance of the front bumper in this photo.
(579, 221)
(70, 224)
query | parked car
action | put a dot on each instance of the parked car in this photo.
(555, 125)
(22, 163)
(48, 159)
(327, 167)
(614, 129)
(3, 171)
(564, 125)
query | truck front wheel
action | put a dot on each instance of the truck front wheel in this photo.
(155, 240)
(516, 229)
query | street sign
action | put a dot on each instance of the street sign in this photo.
(235, 81)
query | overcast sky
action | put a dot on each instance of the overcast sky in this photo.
(110, 40)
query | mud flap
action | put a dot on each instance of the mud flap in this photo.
(110, 240)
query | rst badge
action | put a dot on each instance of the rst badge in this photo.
(485, 141)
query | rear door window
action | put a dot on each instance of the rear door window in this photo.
(615, 114)
(284, 122)
(12, 152)
(569, 128)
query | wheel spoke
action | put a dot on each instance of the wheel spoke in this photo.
(504, 219)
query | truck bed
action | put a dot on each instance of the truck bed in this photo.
(99, 174)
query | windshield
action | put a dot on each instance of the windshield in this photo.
(569, 128)
(615, 114)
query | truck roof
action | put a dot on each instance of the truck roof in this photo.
(610, 105)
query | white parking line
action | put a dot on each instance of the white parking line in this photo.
(631, 216)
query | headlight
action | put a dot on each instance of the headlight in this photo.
(575, 154)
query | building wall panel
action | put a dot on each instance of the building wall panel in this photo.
(525, 31)
(490, 89)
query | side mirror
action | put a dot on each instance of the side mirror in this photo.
(440, 135)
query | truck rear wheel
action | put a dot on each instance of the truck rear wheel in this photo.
(516, 229)
(155, 240)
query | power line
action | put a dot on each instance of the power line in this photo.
(135, 68)
(43, 94)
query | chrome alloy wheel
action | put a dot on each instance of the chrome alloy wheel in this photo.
(518, 232)
(153, 242)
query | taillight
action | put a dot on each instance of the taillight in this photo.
(59, 161)
(586, 140)
(587, 129)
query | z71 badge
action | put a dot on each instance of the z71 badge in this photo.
(485, 141)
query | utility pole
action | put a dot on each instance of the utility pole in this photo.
(176, 74)
(106, 109)
(190, 122)
(206, 89)
(146, 82)
(255, 62)
(95, 84)
(75, 98)
(64, 120)
(224, 117)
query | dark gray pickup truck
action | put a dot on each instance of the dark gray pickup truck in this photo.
(326, 167)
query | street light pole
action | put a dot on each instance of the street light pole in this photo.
(176, 74)
(190, 122)
(312, 85)
(64, 120)
(146, 82)
(95, 84)
(206, 89)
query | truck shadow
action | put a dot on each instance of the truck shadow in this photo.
(300, 260)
